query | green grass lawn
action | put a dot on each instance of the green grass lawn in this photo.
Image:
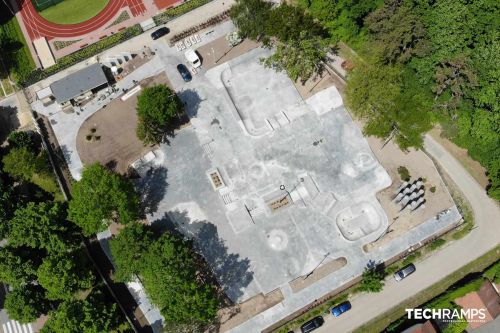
(73, 11)
(18, 59)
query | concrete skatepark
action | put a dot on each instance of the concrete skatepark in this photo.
(269, 186)
(295, 181)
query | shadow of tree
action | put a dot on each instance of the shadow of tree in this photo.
(232, 272)
(153, 187)
(191, 100)
(8, 121)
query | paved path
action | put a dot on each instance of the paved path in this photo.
(433, 269)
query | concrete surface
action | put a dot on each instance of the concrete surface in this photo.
(434, 268)
(270, 146)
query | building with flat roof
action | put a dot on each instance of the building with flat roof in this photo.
(79, 85)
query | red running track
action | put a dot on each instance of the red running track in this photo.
(37, 26)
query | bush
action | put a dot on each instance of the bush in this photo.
(172, 13)
(372, 280)
(436, 244)
(433, 189)
(404, 174)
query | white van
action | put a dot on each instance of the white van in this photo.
(192, 58)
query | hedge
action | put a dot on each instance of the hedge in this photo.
(174, 12)
(83, 54)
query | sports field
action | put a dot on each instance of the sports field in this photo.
(73, 11)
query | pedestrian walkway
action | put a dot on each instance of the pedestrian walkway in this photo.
(15, 327)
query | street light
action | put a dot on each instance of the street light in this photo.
(387, 229)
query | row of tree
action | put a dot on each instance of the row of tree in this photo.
(43, 260)
(422, 63)
(48, 270)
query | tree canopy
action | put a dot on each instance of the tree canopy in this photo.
(300, 58)
(64, 274)
(372, 280)
(92, 315)
(157, 106)
(251, 17)
(101, 196)
(438, 61)
(25, 304)
(168, 271)
(128, 248)
(42, 226)
(302, 44)
(16, 266)
(23, 163)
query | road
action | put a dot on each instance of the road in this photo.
(431, 270)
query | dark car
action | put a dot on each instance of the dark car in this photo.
(341, 308)
(404, 272)
(160, 32)
(186, 76)
(312, 324)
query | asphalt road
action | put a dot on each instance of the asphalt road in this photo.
(431, 270)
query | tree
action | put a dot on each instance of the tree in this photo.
(387, 98)
(7, 207)
(64, 274)
(128, 248)
(19, 139)
(398, 31)
(372, 280)
(23, 163)
(101, 196)
(251, 17)
(93, 315)
(17, 267)
(42, 226)
(157, 106)
(300, 58)
(25, 304)
(170, 278)
(291, 23)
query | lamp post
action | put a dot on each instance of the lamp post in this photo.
(387, 229)
(319, 264)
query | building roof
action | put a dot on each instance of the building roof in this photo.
(486, 298)
(426, 327)
(78, 83)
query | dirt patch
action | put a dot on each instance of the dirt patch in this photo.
(419, 166)
(326, 269)
(233, 316)
(219, 51)
(318, 83)
(109, 135)
(473, 167)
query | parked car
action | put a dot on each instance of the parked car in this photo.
(312, 324)
(341, 308)
(160, 33)
(186, 76)
(404, 272)
(193, 58)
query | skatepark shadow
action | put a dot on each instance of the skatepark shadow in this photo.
(191, 100)
(232, 272)
(153, 187)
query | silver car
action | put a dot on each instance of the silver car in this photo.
(404, 272)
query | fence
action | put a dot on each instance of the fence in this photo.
(44, 4)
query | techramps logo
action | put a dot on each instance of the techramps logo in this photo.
(448, 315)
